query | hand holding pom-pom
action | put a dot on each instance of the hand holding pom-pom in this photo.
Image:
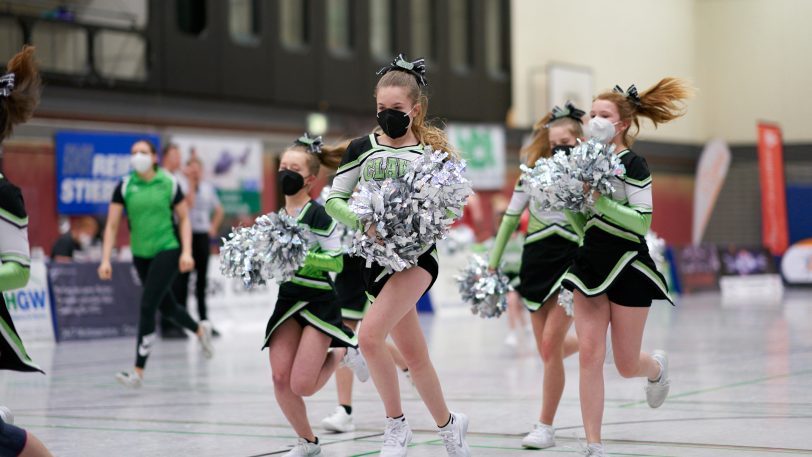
(565, 300)
(576, 180)
(274, 248)
(409, 213)
(485, 290)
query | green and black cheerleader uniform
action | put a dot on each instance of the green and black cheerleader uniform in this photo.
(156, 251)
(367, 160)
(549, 248)
(613, 258)
(15, 269)
(310, 297)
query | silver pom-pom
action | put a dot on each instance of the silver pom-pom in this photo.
(565, 300)
(274, 248)
(409, 213)
(557, 183)
(485, 290)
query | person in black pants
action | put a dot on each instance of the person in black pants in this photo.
(206, 215)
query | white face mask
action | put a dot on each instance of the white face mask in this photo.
(141, 162)
(601, 129)
(85, 240)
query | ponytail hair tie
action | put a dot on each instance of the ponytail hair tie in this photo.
(416, 68)
(312, 144)
(569, 110)
(630, 94)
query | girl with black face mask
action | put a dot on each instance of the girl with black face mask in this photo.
(386, 153)
(306, 321)
(548, 251)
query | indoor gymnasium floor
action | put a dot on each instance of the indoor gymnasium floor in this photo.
(741, 386)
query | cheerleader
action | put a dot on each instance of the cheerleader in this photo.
(386, 153)
(19, 96)
(549, 249)
(160, 252)
(306, 321)
(613, 276)
(354, 303)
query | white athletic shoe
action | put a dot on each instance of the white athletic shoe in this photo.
(130, 380)
(408, 375)
(511, 340)
(355, 362)
(206, 339)
(594, 450)
(541, 437)
(453, 436)
(396, 438)
(304, 448)
(339, 421)
(6, 416)
(657, 391)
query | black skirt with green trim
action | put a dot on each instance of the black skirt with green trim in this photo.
(544, 263)
(310, 307)
(620, 268)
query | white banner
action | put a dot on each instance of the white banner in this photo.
(710, 176)
(30, 307)
(483, 148)
(232, 164)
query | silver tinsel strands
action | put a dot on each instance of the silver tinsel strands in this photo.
(565, 300)
(274, 248)
(558, 183)
(484, 290)
(410, 213)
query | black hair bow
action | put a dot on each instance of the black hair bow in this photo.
(416, 68)
(569, 110)
(6, 84)
(313, 145)
(630, 93)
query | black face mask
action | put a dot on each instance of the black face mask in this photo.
(291, 182)
(565, 148)
(394, 123)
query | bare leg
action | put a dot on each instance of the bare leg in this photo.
(627, 337)
(550, 325)
(344, 376)
(283, 347)
(314, 364)
(592, 320)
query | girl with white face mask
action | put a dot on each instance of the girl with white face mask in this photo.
(613, 277)
(160, 252)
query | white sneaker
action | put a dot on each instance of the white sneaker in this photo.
(657, 391)
(304, 448)
(453, 436)
(355, 362)
(206, 339)
(339, 421)
(130, 380)
(594, 450)
(511, 340)
(6, 416)
(396, 438)
(408, 375)
(541, 437)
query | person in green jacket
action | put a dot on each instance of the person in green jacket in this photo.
(160, 250)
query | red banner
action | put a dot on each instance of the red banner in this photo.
(774, 230)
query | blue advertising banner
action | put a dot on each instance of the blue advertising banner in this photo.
(88, 167)
(86, 307)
